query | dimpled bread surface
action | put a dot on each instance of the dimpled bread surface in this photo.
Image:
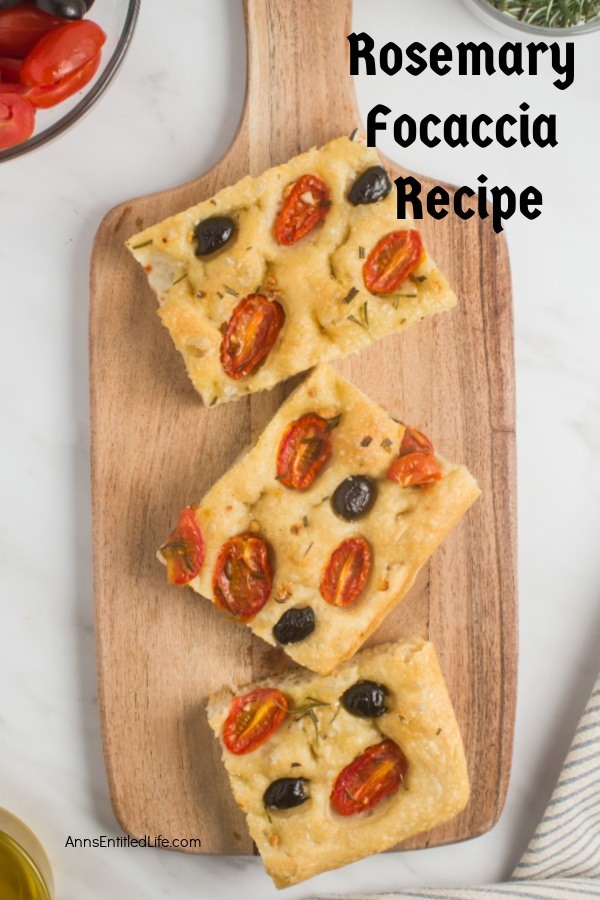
(311, 279)
(301, 842)
(403, 528)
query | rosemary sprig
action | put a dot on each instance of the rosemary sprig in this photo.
(144, 244)
(549, 13)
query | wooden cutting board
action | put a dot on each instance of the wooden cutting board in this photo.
(155, 448)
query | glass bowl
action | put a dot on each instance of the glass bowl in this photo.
(25, 872)
(505, 23)
(117, 18)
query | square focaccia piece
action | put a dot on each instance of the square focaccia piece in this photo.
(331, 769)
(315, 534)
(277, 273)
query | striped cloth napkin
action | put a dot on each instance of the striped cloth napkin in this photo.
(562, 861)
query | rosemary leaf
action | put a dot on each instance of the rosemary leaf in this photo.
(144, 244)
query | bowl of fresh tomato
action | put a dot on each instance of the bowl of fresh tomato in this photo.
(57, 57)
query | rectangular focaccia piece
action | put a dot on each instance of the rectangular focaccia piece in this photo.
(253, 506)
(317, 282)
(299, 842)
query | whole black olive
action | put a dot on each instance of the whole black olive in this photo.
(295, 625)
(285, 793)
(65, 9)
(365, 699)
(371, 186)
(212, 234)
(354, 497)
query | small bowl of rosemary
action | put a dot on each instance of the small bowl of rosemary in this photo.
(549, 17)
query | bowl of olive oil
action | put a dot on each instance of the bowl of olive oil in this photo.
(25, 872)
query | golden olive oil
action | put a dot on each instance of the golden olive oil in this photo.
(20, 877)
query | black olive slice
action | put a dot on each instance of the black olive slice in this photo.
(65, 9)
(285, 793)
(371, 186)
(212, 234)
(295, 625)
(365, 699)
(354, 497)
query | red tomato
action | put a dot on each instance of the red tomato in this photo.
(252, 718)
(17, 119)
(22, 27)
(251, 332)
(391, 261)
(62, 52)
(347, 572)
(304, 207)
(184, 550)
(10, 70)
(303, 451)
(414, 441)
(242, 577)
(376, 773)
(415, 468)
(45, 97)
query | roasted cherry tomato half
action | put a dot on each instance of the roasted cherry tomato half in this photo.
(184, 550)
(45, 97)
(347, 572)
(242, 577)
(252, 718)
(415, 468)
(251, 332)
(306, 204)
(415, 464)
(62, 52)
(392, 260)
(376, 773)
(303, 451)
(17, 119)
(10, 70)
(414, 441)
(22, 27)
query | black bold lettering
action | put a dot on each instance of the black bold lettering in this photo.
(478, 121)
(373, 123)
(460, 211)
(524, 130)
(461, 139)
(530, 197)
(568, 69)
(549, 140)
(396, 64)
(358, 52)
(405, 137)
(426, 121)
(437, 196)
(509, 67)
(475, 51)
(501, 124)
(408, 191)
(500, 210)
(482, 198)
(413, 52)
(532, 51)
(440, 53)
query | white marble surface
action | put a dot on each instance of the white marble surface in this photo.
(170, 114)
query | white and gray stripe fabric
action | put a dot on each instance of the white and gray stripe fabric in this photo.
(562, 861)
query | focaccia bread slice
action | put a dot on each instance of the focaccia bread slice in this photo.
(401, 699)
(313, 304)
(306, 539)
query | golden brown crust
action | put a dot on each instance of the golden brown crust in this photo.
(403, 529)
(312, 277)
(298, 843)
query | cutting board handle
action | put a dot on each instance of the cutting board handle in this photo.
(299, 89)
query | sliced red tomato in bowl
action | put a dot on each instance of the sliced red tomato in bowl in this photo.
(22, 26)
(392, 260)
(252, 719)
(62, 52)
(17, 119)
(10, 70)
(43, 97)
(346, 573)
(242, 577)
(303, 451)
(368, 779)
(304, 207)
(184, 550)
